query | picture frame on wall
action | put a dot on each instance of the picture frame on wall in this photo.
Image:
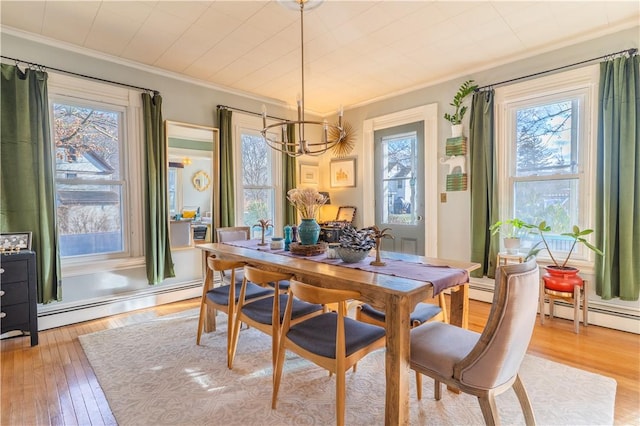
(343, 173)
(309, 174)
(13, 241)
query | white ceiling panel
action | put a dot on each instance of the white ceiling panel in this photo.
(356, 51)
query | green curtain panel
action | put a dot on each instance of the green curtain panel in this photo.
(618, 180)
(27, 196)
(484, 202)
(289, 179)
(157, 248)
(227, 189)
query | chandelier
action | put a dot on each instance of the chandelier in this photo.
(332, 134)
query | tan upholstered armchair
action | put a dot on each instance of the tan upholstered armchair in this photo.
(486, 364)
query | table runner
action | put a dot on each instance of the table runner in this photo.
(441, 277)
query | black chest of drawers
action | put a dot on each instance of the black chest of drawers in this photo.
(18, 294)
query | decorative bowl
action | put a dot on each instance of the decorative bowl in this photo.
(351, 256)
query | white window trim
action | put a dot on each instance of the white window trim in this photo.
(62, 87)
(584, 81)
(254, 124)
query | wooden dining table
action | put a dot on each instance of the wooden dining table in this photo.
(396, 295)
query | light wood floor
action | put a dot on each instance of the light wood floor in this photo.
(53, 383)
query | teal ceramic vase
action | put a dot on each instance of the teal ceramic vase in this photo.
(308, 232)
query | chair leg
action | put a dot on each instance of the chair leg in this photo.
(525, 403)
(437, 390)
(541, 302)
(576, 309)
(489, 410)
(340, 396)
(277, 374)
(200, 321)
(419, 385)
(585, 303)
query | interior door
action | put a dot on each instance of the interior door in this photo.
(399, 186)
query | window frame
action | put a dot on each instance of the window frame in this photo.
(78, 91)
(244, 123)
(583, 83)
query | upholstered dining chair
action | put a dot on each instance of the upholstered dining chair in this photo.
(487, 364)
(225, 297)
(332, 340)
(232, 233)
(265, 314)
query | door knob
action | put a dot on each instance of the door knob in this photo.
(420, 217)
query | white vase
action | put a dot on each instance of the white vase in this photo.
(512, 245)
(456, 130)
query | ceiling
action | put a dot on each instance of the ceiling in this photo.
(355, 51)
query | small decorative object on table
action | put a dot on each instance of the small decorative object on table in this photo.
(355, 245)
(277, 243)
(308, 249)
(287, 237)
(378, 235)
(264, 224)
(307, 201)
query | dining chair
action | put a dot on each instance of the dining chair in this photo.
(331, 340)
(225, 297)
(486, 364)
(265, 314)
(232, 233)
(421, 314)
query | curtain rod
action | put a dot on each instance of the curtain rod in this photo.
(631, 52)
(249, 112)
(44, 67)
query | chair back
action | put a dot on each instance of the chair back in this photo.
(263, 278)
(497, 356)
(216, 264)
(233, 233)
(319, 295)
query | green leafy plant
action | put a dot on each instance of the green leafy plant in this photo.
(510, 228)
(465, 90)
(578, 237)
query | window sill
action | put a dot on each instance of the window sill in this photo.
(86, 268)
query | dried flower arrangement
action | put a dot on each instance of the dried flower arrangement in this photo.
(307, 201)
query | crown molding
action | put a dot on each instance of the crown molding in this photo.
(133, 64)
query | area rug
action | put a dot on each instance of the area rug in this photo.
(154, 374)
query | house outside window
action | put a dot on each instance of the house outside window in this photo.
(258, 188)
(92, 139)
(546, 131)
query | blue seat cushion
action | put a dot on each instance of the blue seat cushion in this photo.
(220, 295)
(421, 314)
(318, 334)
(261, 310)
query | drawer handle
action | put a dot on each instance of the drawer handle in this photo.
(1, 293)
(3, 314)
(1, 270)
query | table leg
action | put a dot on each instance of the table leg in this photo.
(397, 361)
(460, 306)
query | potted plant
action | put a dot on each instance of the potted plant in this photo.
(455, 119)
(559, 276)
(355, 244)
(512, 230)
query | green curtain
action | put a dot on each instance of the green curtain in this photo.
(617, 227)
(27, 191)
(484, 201)
(289, 179)
(227, 189)
(157, 248)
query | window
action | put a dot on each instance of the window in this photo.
(399, 165)
(544, 153)
(257, 179)
(90, 141)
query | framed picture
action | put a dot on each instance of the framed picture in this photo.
(309, 173)
(15, 241)
(343, 173)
